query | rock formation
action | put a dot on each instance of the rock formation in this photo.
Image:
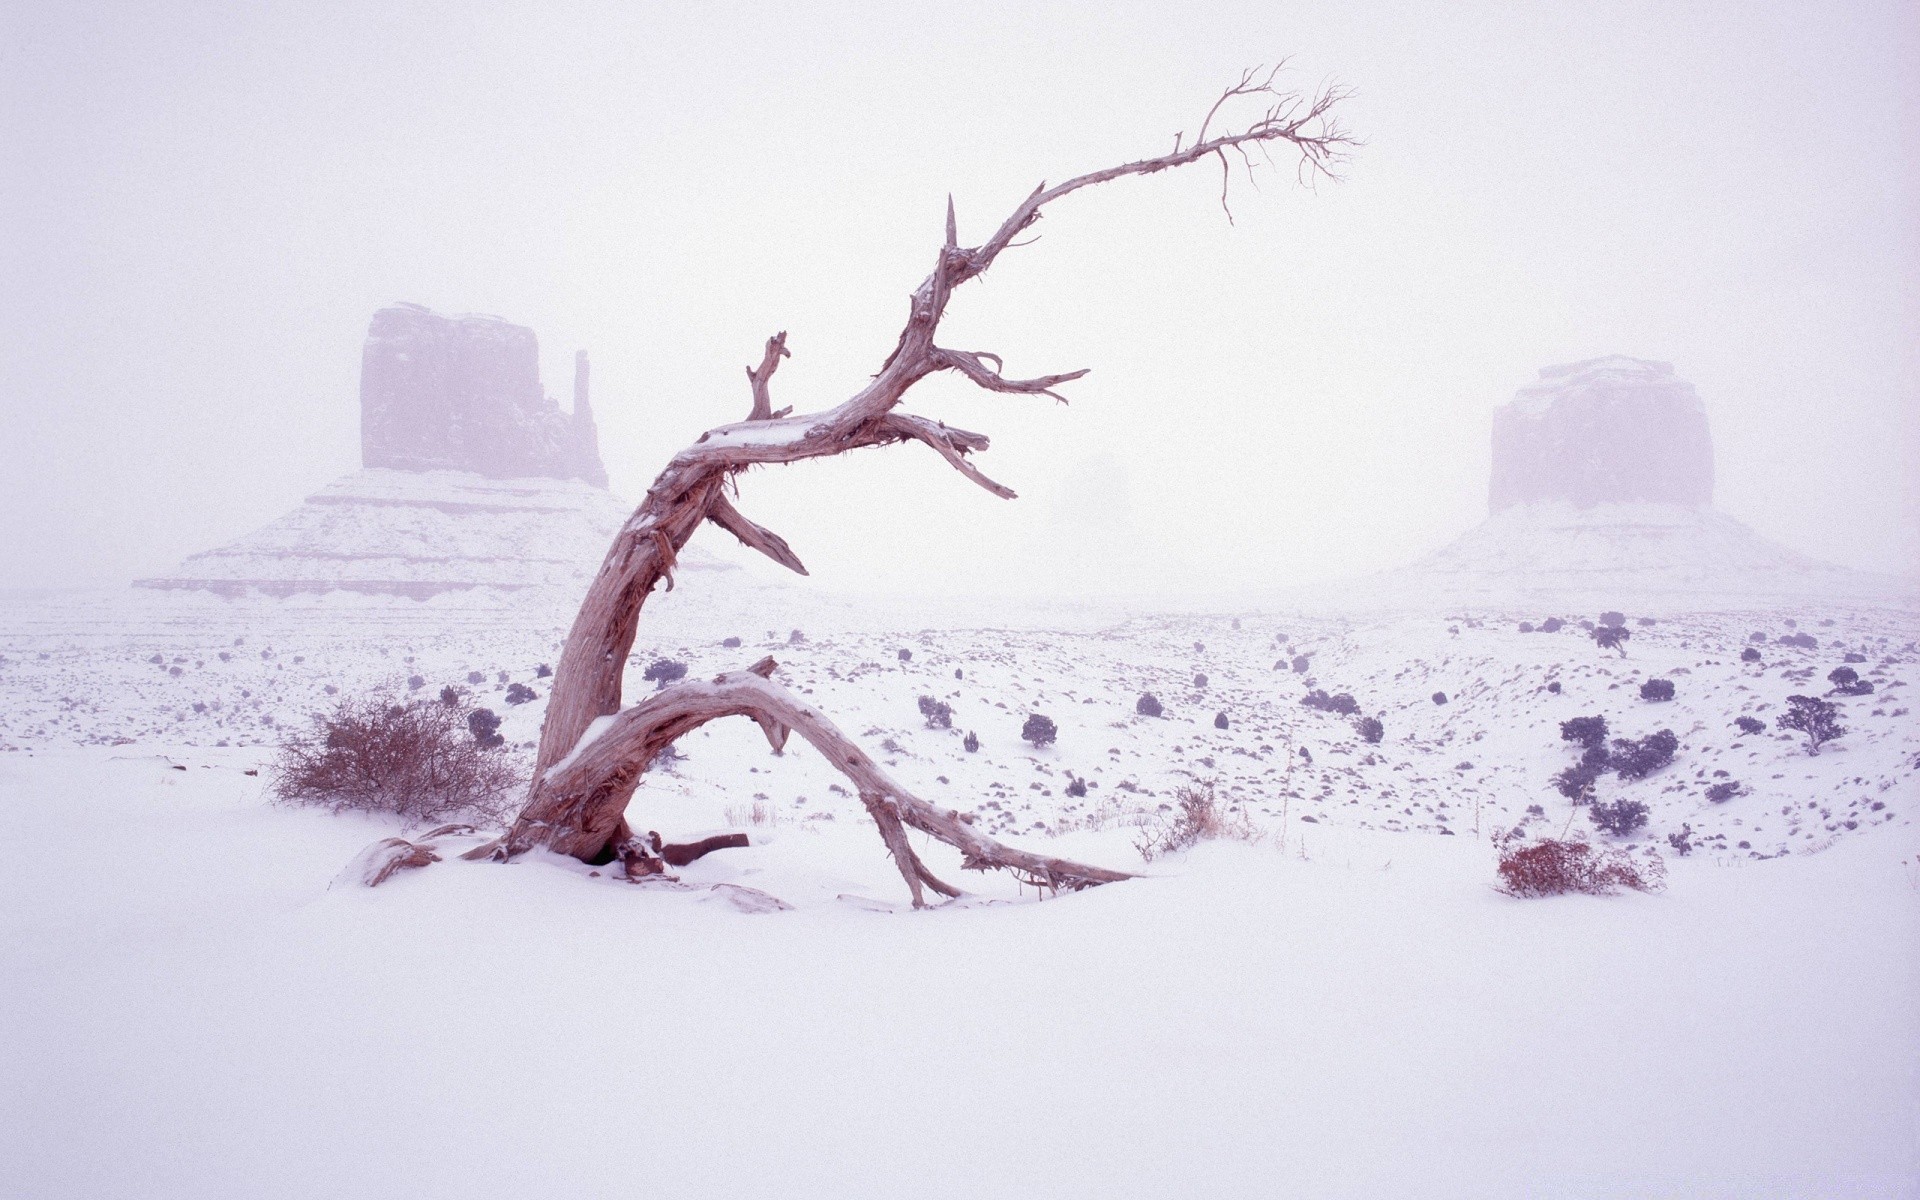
(463, 394)
(1612, 430)
(1602, 494)
(474, 481)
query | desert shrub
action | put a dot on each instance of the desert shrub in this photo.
(1554, 687)
(1197, 817)
(732, 643)
(1750, 725)
(906, 655)
(1851, 656)
(1526, 627)
(1076, 786)
(663, 671)
(1802, 641)
(1847, 682)
(1199, 647)
(1220, 721)
(1613, 618)
(1585, 731)
(1551, 868)
(1816, 718)
(1576, 782)
(972, 742)
(1439, 697)
(796, 638)
(475, 678)
(1638, 759)
(1756, 636)
(1657, 690)
(1342, 703)
(416, 682)
(1682, 842)
(415, 760)
(543, 671)
(1619, 817)
(1552, 625)
(1039, 730)
(1645, 622)
(1200, 683)
(1720, 793)
(939, 713)
(484, 725)
(450, 696)
(1370, 730)
(520, 693)
(1148, 705)
(1750, 655)
(1612, 637)
(1300, 664)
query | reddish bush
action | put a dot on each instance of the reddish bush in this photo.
(419, 761)
(1551, 868)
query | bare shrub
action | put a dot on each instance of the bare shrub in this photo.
(418, 761)
(1197, 817)
(1551, 867)
(760, 812)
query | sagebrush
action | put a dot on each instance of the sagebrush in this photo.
(416, 760)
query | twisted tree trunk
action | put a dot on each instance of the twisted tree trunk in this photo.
(592, 754)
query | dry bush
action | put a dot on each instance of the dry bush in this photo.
(418, 761)
(1198, 817)
(760, 812)
(1551, 868)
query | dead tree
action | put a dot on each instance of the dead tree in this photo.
(593, 752)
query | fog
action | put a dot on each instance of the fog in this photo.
(204, 204)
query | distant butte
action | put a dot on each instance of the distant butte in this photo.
(1612, 430)
(463, 394)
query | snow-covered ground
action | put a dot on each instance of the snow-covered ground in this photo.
(1344, 1006)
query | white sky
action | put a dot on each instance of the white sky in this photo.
(201, 206)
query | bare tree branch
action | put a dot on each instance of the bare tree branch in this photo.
(580, 790)
(762, 398)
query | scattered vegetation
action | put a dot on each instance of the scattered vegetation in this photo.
(1612, 637)
(484, 725)
(1220, 721)
(1847, 682)
(971, 743)
(418, 760)
(520, 693)
(1439, 697)
(1370, 730)
(1750, 655)
(1720, 793)
(1657, 690)
(1552, 625)
(1818, 719)
(1342, 703)
(1750, 725)
(1148, 705)
(1638, 759)
(938, 713)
